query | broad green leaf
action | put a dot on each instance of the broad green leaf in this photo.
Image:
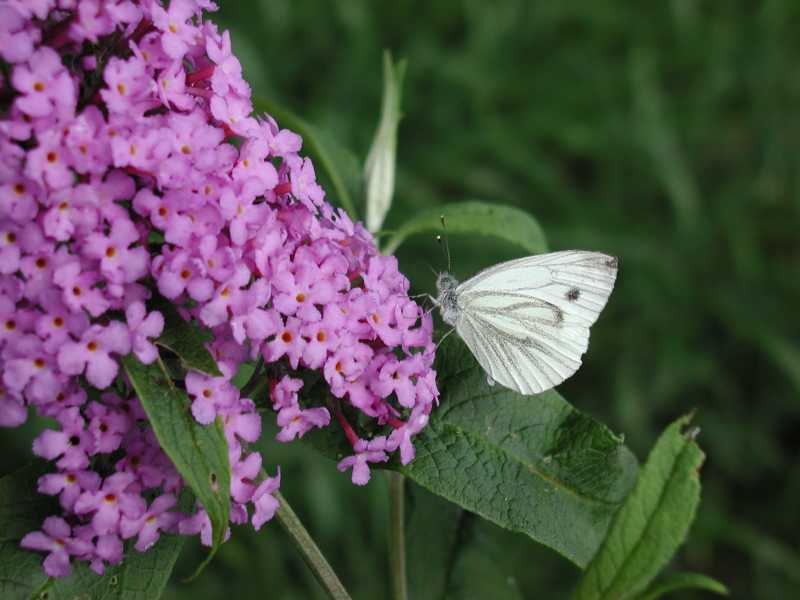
(199, 453)
(379, 169)
(432, 537)
(683, 581)
(332, 162)
(185, 339)
(652, 523)
(22, 510)
(141, 576)
(505, 222)
(477, 576)
(531, 464)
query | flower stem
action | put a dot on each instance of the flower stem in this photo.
(311, 553)
(397, 537)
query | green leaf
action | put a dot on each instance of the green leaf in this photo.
(505, 222)
(199, 453)
(185, 339)
(477, 575)
(141, 576)
(531, 464)
(683, 581)
(337, 165)
(379, 170)
(432, 537)
(22, 510)
(652, 523)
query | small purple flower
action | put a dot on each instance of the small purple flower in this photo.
(119, 263)
(107, 426)
(266, 505)
(72, 445)
(107, 549)
(366, 452)
(179, 272)
(296, 422)
(45, 85)
(288, 341)
(79, 291)
(401, 437)
(199, 523)
(178, 34)
(243, 474)
(127, 85)
(149, 525)
(208, 394)
(17, 37)
(13, 412)
(110, 503)
(93, 353)
(49, 163)
(142, 329)
(56, 539)
(68, 486)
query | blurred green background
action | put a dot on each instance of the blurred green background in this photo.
(666, 133)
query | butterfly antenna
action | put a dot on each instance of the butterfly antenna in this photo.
(444, 239)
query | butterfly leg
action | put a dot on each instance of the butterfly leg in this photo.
(444, 337)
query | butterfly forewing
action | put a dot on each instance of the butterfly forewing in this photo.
(527, 320)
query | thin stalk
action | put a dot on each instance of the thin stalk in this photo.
(309, 550)
(397, 537)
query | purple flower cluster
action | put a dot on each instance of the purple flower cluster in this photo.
(130, 164)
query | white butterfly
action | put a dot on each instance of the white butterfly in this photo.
(527, 320)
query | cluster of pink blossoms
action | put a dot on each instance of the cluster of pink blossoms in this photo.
(119, 178)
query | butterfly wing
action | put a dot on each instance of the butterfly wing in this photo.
(527, 320)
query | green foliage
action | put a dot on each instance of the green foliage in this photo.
(22, 510)
(683, 581)
(653, 522)
(200, 454)
(663, 133)
(334, 164)
(527, 463)
(141, 576)
(479, 218)
(380, 166)
(452, 554)
(185, 340)
(433, 537)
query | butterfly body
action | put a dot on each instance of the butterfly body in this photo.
(527, 321)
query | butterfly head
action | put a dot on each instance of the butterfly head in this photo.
(447, 299)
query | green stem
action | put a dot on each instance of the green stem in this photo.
(397, 536)
(311, 553)
(256, 378)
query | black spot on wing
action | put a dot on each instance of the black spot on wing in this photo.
(573, 294)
